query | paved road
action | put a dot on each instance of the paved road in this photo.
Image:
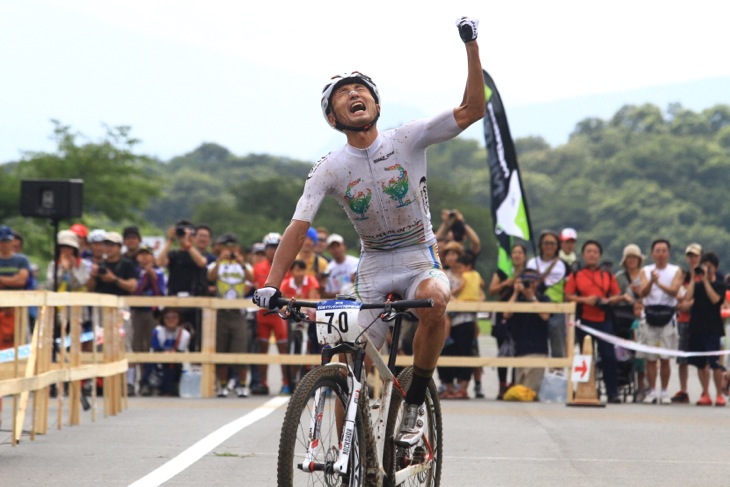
(487, 442)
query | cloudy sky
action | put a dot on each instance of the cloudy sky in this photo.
(248, 75)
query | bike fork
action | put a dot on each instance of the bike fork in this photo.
(315, 426)
(348, 431)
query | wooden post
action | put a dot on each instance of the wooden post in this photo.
(29, 370)
(16, 374)
(74, 387)
(207, 346)
(570, 352)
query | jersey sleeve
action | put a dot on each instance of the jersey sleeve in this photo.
(434, 130)
(315, 189)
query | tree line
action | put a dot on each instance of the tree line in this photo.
(644, 173)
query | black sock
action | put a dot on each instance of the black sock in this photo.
(419, 383)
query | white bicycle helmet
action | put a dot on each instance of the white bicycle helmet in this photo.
(272, 238)
(341, 79)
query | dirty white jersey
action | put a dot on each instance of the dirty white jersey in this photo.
(382, 188)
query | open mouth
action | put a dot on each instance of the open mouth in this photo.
(357, 107)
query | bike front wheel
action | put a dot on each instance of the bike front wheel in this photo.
(426, 456)
(310, 436)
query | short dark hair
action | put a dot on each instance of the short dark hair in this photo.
(592, 242)
(466, 259)
(298, 264)
(711, 258)
(204, 227)
(661, 240)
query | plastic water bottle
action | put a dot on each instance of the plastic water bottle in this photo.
(190, 383)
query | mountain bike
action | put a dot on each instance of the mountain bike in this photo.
(333, 434)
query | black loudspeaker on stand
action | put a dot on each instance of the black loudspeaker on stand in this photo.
(56, 199)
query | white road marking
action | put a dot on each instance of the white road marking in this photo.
(204, 446)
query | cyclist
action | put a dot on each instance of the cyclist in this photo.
(379, 179)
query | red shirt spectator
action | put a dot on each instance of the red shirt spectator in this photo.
(592, 282)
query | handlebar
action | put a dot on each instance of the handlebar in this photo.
(399, 305)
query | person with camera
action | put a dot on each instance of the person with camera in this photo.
(706, 328)
(455, 229)
(553, 272)
(186, 272)
(113, 274)
(529, 332)
(595, 291)
(229, 272)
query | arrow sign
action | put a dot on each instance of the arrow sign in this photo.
(581, 368)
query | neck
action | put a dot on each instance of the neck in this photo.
(362, 140)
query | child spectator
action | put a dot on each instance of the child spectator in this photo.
(151, 282)
(469, 285)
(168, 337)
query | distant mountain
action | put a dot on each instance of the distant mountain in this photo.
(555, 121)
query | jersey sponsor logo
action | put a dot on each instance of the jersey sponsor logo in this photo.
(423, 191)
(397, 186)
(386, 156)
(359, 201)
(316, 165)
(410, 234)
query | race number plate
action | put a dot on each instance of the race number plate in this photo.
(337, 321)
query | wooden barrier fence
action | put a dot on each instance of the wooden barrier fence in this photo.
(38, 371)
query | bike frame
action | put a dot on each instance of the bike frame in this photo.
(355, 372)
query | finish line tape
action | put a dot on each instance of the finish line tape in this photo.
(638, 347)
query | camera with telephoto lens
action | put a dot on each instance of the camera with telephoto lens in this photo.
(699, 271)
(452, 214)
(102, 268)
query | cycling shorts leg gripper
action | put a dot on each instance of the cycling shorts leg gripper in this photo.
(419, 383)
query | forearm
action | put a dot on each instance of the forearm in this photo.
(197, 257)
(127, 285)
(162, 258)
(474, 102)
(471, 235)
(714, 297)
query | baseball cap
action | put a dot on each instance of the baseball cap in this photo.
(6, 233)
(335, 238)
(258, 247)
(568, 234)
(312, 234)
(97, 235)
(80, 230)
(694, 248)
(133, 230)
(114, 238)
(226, 238)
(145, 248)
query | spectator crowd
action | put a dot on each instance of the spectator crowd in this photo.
(658, 304)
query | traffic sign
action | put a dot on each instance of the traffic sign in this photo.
(581, 371)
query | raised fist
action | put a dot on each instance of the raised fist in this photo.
(467, 28)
